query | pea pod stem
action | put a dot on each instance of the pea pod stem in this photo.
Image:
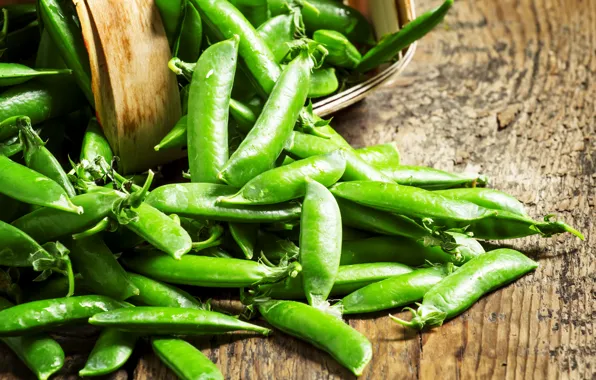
(101, 226)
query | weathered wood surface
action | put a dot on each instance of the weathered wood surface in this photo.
(506, 87)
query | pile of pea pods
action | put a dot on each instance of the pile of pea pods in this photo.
(270, 201)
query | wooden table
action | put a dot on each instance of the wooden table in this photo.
(506, 87)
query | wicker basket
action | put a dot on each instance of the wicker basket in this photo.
(386, 16)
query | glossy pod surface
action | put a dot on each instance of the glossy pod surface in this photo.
(489, 198)
(430, 178)
(17, 248)
(185, 360)
(111, 351)
(155, 293)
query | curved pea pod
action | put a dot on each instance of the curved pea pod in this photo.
(214, 272)
(349, 279)
(155, 293)
(48, 224)
(17, 249)
(45, 315)
(177, 137)
(304, 145)
(392, 44)
(172, 14)
(184, 359)
(459, 291)
(341, 51)
(287, 182)
(408, 251)
(200, 200)
(245, 236)
(26, 185)
(172, 320)
(95, 143)
(265, 141)
(188, 44)
(489, 198)
(14, 73)
(323, 82)
(100, 269)
(224, 21)
(333, 15)
(320, 243)
(40, 159)
(346, 345)
(394, 291)
(380, 155)
(208, 110)
(244, 115)
(10, 149)
(430, 178)
(60, 19)
(40, 353)
(111, 351)
(279, 30)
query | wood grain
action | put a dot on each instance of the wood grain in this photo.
(506, 87)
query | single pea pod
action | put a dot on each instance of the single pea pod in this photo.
(459, 291)
(45, 315)
(172, 15)
(40, 353)
(111, 351)
(346, 345)
(281, 29)
(48, 224)
(40, 159)
(349, 279)
(206, 271)
(320, 243)
(430, 178)
(95, 144)
(14, 73)
(489, 198)
(185, 360)
(390, 45)
(244, 115)
(208, 110)
(265, 141)
(11, 148)
(323, 82)
(224, 21)
(102, 273)
(188, 44)
(177, 137)
(245, 236)
(407, 251)
(26, 185)
(172, 320)
(155, 293)
(333, 15)
(200, 200)
(17, 248)
(255, 11)
(341, 51)
(287, 182)
(395, 291)
(380, 155)
(60, 20)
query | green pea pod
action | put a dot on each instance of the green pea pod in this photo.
(265, 141)
(177, 137)
(60, 20)
(323, 82)
(200, 200)
(489, 198)
(14, 73)
(320, 243)
(172, 320)
(224, 21)
(380, 155)
(245, 235)
(11, 148)
(23, 184)
(430, 178)
(184, 359)
(208, 110)
(459, 291)
(333, 15)
(394, 291)
(32, 317)
(18, 249)
(349, 347)
(155, 293)
(303, 145)
(349, 279)
(188, 45)
(39, 158)
(341, 51)
(48, 224)
(207, 271)
(407, 251)
(102, 273)
(255, 11)
(95, 143)
(287, 182)
(279, 30)
(172, 14)
(40, 353)
(244, 115)
(392, 44)
(111, 351)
